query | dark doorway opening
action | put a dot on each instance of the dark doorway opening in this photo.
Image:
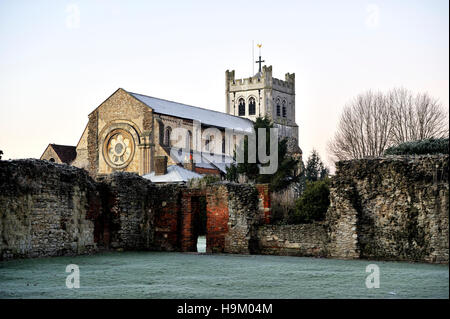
(198, 204)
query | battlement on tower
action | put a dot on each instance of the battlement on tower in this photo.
(260, 81)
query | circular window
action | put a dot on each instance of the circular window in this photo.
(118, 148)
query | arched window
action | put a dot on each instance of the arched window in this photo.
(278, 108)
(251, 106)
(189, 140)
(284, 108)
(167, 133)
(241, 107)
(223, 145)
(208, 143)
(52, 160)
(161, 132)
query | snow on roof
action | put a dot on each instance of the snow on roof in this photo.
(203, 160)
(221, 161)
(175, 174)
(180, 156)
(205, 116)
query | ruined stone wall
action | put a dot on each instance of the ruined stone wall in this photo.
(233, 214)
(217, 219)
(190, 209)
(141, 215)
(265, 205)
(390, 208)
(46, 209)
(243, 218)
(166, 217)
(306, 240)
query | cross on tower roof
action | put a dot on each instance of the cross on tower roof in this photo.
(260, 61)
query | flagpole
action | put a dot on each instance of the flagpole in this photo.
(253, 57)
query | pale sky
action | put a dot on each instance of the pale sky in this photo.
(60, 59)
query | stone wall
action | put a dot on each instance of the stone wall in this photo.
(393, 208)
(244, 217)
(46, 209)
(265, 205)
(138, 215)
(233, 214)
(306, 240)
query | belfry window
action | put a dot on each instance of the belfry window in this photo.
(278, 108)
(284, 108)
(251, 106)
(241, 107)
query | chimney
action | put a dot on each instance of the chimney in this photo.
(189, 163)
(160, 165)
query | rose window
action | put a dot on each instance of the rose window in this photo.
(119, 148)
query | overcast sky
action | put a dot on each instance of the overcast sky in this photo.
(60, 59)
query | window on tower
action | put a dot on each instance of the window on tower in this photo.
(278, 108)
(284, 108)
(251, 106)
(241, 107)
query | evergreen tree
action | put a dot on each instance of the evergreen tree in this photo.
(315, 169)
(313, 204)
(285, 174)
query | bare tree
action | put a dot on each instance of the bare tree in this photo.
(372, 122)
(364, 128)
(416, 117)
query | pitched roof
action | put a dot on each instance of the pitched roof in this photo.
(66, 153)
(205, 116)
(175, 174)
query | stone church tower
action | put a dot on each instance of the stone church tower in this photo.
(262, 95)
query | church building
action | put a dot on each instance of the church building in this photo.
(137, 133)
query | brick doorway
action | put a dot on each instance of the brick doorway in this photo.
(204, 210)
(199, 220)
(194, 220)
